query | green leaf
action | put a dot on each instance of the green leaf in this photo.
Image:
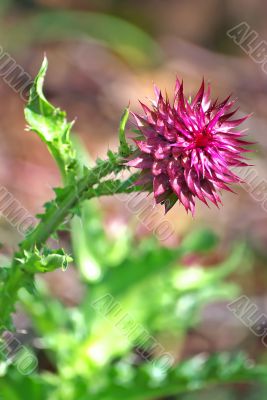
(45, 261)
(51, 125)
(124, 148)
(89, 241)
(94, 251)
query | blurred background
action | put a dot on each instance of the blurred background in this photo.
(102, 55)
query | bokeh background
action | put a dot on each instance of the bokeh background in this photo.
(103, 54)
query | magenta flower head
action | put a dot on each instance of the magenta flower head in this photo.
(186, 149)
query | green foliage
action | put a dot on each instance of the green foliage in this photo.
(143, 383)
(150, 289)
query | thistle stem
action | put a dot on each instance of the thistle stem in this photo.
(84, 189)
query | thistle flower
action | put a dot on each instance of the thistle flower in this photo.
(186, 149)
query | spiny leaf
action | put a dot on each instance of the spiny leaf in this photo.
(47, 260)
(51, 125)
(124, 148)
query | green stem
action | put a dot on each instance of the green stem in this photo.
(54, 218)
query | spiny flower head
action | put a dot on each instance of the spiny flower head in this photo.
(187, 148)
